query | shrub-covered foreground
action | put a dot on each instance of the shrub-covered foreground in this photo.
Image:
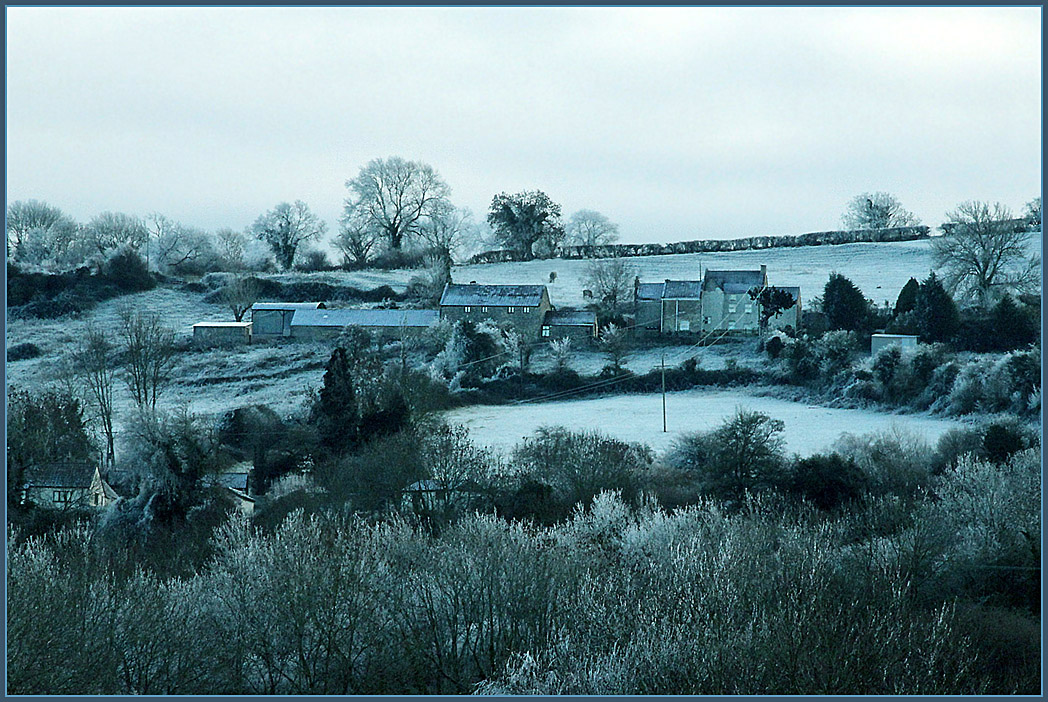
(771, 598)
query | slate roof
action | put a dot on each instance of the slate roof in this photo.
(492, 295)
(733, 282)
(235, 481)
(364, 318)
(287, 306)
(61, 475)
(682, 290)
(219, 325)
(794, 291)
(570, 318)
(650, 291)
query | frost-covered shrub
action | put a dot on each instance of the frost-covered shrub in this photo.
(895, 462)
(835, 350)
(968, 393)
(936, 395)
(22, 352)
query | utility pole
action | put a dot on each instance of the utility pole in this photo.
(664, 390)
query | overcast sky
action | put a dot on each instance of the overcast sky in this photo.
(677, 123)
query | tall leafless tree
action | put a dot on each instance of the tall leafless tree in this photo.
(983, 252)
(239, 295)
(149, 354)
(392, 198)
(96, 364)
(611, 281)
(591, 228)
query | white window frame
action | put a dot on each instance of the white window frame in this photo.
(546, 331)
(525, 310)
(483, 309)
(511, 310)
(467, 309)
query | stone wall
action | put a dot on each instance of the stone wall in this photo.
(718, 245)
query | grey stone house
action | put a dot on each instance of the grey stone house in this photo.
(522, 307)
(669, 307)
(726, 304)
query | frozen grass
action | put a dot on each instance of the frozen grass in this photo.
(639, 418)
(590, 361)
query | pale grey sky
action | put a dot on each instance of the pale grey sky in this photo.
(677, 123)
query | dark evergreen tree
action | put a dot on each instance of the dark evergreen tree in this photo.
(337, 411)
(907, 297)
(935, 312)
(844, 304)
(1013, 327)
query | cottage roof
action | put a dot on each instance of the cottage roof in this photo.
(682, 290)
(365, 318)
(61, 475)
(108, 491)
(492, 295)
(570, 318)
(734, 282)
(650, 291)
(287, 306)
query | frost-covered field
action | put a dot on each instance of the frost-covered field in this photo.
(879, 269)
(639, 418)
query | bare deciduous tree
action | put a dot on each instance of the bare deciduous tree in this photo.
(355, 239)
(239, 295)
(983, 251)
(877, 211)
(231, 246)
(149, 354)
(95, 362)
(36, 230)
(611, 281)
(591, 228)
(285, 227)
(448, 229)
(111, 230)
(392, 198)
(176, 246)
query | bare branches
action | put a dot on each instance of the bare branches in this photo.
(877, 211)
(286, 227)
(984, 252)
(149, 355)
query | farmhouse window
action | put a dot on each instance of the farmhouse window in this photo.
(467, 309)
(545, 331)
(61, 496)
(483, 309)
(525, 310)
(511, 310)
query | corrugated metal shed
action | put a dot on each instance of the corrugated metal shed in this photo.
(364, 318)
(287, 306)
(492, 295)
(682, 290)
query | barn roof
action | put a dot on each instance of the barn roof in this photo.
(218, 325)
(682, 290)
(492, 295)
(364, 318)
(570, 318)
(61, 475)
(650, 291)
(733, 282)
(287, 306)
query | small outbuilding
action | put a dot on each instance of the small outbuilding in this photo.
(207, 334)
(320, 324)
(570, 324)
(903, 341)
(272, 320)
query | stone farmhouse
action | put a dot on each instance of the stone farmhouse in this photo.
(720, 302)
(521, 307)
(66, 486)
